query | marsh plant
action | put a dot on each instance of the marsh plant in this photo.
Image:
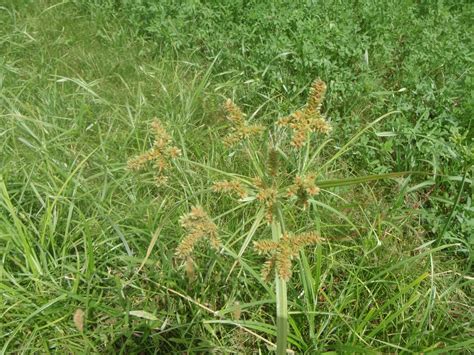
(287, 177)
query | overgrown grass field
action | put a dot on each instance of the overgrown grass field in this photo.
(88, 260)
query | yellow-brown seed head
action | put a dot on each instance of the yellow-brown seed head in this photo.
(316, 95)
(308, 120)
(303, 188)
(234, 113)
(282, 252)
(160, 154)
(198, 225)
(231, 187)
(240, 129)
(189, 268)
(268, 197)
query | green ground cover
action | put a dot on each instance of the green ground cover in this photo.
(80, 83)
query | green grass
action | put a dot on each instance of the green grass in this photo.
(410, 56)
(78, 91)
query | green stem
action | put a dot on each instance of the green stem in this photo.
(242, 178)
(281, 298)
(453, 209)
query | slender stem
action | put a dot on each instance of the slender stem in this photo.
(281, 298)
(242, 178)
(453, 209)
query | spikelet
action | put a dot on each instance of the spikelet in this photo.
(161, 180)
(310, 119)
(268, 268)
(268, 197)
(282, 252)
(299, 241)
(320, 125)
(160, 154)
(258, 183)
(303, 188)
(265, 246)
(234, 113)
(283, 263)
(240, 129)
(300, 126)
(230, 187)
(198, 225)
(316, 95)
(189, 268)
(139, 161)
(186, 247)
(78, 319)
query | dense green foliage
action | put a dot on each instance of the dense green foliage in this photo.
(79, 85)
(410, 56)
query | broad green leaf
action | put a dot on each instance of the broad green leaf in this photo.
(360, 179)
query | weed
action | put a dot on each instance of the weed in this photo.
(267, 188)
(88, 261)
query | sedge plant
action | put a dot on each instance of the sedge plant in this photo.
(286, 175)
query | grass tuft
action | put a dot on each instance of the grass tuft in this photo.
(87, 254)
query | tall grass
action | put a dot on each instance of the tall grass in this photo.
(88, 254)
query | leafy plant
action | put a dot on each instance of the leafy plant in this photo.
(285, 180)
(79, 272)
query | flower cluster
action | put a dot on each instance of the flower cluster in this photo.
(160, 154)
(303, 188)
(198, 225)
(240, 129)
(267, 195)
(309, 119)
(282, 252)
(231, 187)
